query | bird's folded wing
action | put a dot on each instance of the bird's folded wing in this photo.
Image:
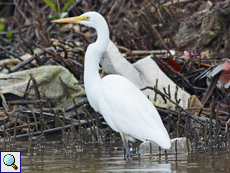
(127, 109)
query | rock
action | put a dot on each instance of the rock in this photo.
(181, 146)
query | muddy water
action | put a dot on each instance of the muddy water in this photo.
(49, 156)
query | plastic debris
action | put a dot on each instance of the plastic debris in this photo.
(143, 73)
(48, 81)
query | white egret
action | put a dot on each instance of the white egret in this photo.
(124, 107)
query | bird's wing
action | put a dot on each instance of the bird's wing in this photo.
(127, 109)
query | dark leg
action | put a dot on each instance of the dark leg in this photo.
(128, 153)
(126, 146)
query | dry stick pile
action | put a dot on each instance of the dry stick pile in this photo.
(134, 25)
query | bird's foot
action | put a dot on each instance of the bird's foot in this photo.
(128, 160)
(128, 156)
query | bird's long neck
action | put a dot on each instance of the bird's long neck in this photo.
(92, 59)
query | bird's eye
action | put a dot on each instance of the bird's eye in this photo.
(87, 17)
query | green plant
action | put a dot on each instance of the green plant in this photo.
(2, 26)
(59, 14)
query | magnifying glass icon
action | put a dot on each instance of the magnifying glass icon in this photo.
(9, 160)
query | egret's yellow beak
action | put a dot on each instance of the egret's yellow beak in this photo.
(72, 19)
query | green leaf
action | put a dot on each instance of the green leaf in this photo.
(70, 2)
(54, 17)
(58, 5)
(64, 14)
(51, 5)
(2, 26)
(9, 34)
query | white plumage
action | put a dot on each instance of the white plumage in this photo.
(127, 109)
(124, 107)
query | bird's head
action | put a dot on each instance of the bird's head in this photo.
(91, 19)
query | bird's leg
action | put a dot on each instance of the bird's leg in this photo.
(128, 153)
(126, 146)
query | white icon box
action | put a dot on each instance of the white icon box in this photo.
(10, 161)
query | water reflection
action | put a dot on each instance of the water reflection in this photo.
(109, 158)
(156, 168)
